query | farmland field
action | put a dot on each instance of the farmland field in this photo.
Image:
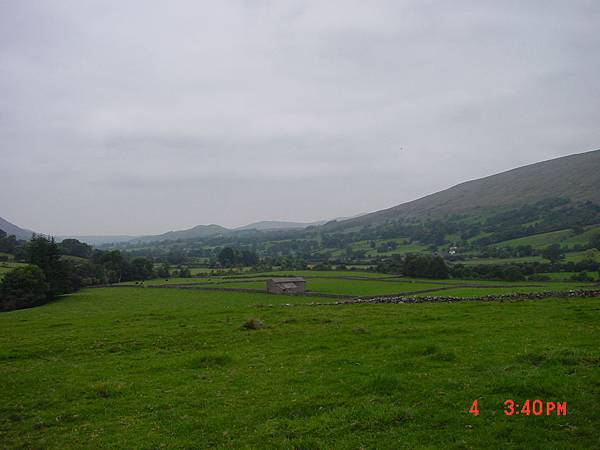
(357, 284)
(168, 368)
(562, 237)
(569, 257)
(6, 267)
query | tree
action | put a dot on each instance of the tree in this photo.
(113, 264)
(227, 257)
(438, 268)
(44, 253)
(553, 253)
(74, 247)
(184, 272)
(582, 277)
(140, 269)
(163, 271)
(595, 241)
(23, 287)
(249, 258)
(175, 256)
(9, 244)
(513, 273)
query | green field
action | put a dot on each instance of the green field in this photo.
(6, 267)
(364, 284)
(7, 256)
(566, 276)
(154, 368)
(348, 287)
(570, 256)
(565, 238)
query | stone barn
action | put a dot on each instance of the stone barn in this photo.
(294, 285)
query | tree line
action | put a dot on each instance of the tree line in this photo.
(60, 268)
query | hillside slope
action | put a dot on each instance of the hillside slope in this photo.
(197, 232)
(576, 177)
(277, 225)
(10, 228)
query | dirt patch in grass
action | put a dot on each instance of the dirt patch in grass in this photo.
(253, 324)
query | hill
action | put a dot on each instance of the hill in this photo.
(574, 177)
(278, 225)
(208, 231)
(12, 229)
(98, 240)
(197, 232)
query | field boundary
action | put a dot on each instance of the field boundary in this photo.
(483, 298)
(192, 287)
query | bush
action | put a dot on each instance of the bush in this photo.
(184, 272)
(581, 276)
(23, 287)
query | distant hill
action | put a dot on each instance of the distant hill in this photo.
(205, 231)
(10, 228)
(98, 240)
(199, 231)
(575, 177)
(278, 225)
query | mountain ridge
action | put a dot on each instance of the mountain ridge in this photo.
(576, 177)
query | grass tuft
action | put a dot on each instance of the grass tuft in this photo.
(208, 361)
(384, 384)
(253, 324)
(105, 390)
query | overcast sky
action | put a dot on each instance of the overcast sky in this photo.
(137, 117)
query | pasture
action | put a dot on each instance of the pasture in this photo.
(7, 266)
(169, 368)
(357, 284)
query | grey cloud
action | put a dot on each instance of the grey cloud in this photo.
(220, 110)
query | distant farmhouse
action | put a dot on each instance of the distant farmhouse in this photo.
(294, 285)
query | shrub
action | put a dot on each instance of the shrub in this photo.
(581, 276)
(23, 287)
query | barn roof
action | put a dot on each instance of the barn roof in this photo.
(287, 280)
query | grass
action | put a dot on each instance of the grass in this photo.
(7, 266)
(566, 276)
(478, 292)
(565, 238)
(145, 368)
(373, 284)
(541, 240)
(569, 256)
(8, 256)
(403, 247)
(348, 287)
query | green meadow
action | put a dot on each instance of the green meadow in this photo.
(7, 266)
(364, 284)
(168, 368)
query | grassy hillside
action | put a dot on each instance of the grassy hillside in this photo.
(199, 231)
(149, 368)
(565, 238)
(576, 177)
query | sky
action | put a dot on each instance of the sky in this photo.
(140, 117)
